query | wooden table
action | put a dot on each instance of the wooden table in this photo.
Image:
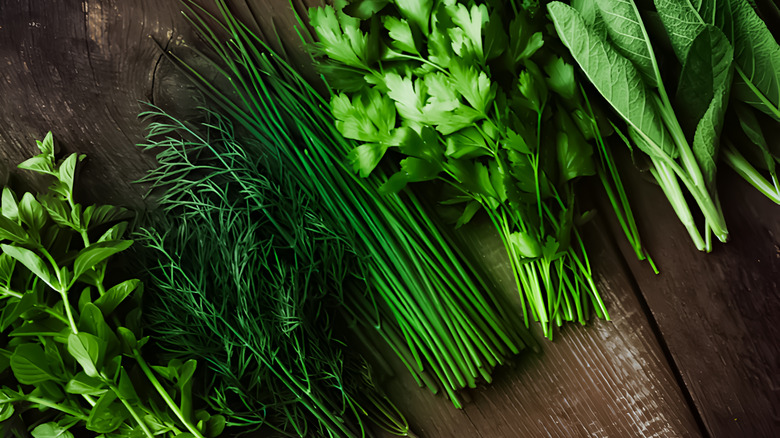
(690, 352)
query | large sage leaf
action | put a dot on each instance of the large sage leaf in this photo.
(704, 88)
(614, 76)
(627, 31)
(757, 56)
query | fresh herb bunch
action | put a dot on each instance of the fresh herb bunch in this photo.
(724, 53)
(462, 92)
(248, 278)
(70, 354)
(424, 300)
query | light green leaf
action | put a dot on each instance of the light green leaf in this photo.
(10, 230)
(47, 145)
(339, 36)
(31, 212)
(366, 157)
(33, 262)
(68, 170)
(417, 12)
(51, 430)
(85, 348)
(526, 245)
(30, 365)
(400, 34)
(38, 164)
(90, 256)
(10, 207)
(58, 210)
(615, 77)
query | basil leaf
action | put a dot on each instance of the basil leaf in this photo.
(30, 366)
(33, 262)
(90, 256)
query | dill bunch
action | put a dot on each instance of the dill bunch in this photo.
(247, 275)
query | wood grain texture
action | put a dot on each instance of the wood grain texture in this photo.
(607, 379)
(718, 312)
(80, 68)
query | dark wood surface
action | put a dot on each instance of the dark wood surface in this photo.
(690, 352)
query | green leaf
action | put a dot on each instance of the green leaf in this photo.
(50, 326)
(366, 157)
(92, 321)
(95, 216)
(126, 387)
(526, 245)
(12, 312)
(7, 264)
(10, 207)
(51, 430)
(85, 348)
(471, 21)
(409, 96)
(560, 78)
(627, 31)
(339, 36)
(615, 77)
(81, 383)
(58, 210)
(34, 263)
(10, 230)
(107, 414)
(30, 366)
(705, 83)
(475, 86)
(400, 34)
(90, 256)
(47, 145)
(6, 411)
(365, 9)
(31, 212)
(215, 426)
(68, 170)
(38, 163)
(114, 233)
(417, 12)
(757, 56)
(575, 155)
(114, 296)
(682, 23)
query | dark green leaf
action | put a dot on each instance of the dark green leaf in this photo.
(107, 415)
(575, 155)
(81, 383)
(30, 366)
(10, 230)
(114, 233)
(114, 296)
(50, 326)
(58, 210)
(757, 56)
(365, 9)
(682, 23)
(90, 256)
(707, 76)
(126, 387)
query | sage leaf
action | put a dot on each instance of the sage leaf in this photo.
(616, 78)
(627, 31)
(757, 56)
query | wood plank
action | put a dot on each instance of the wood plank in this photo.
(80, 68)
(718, 312)
(607, 379)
